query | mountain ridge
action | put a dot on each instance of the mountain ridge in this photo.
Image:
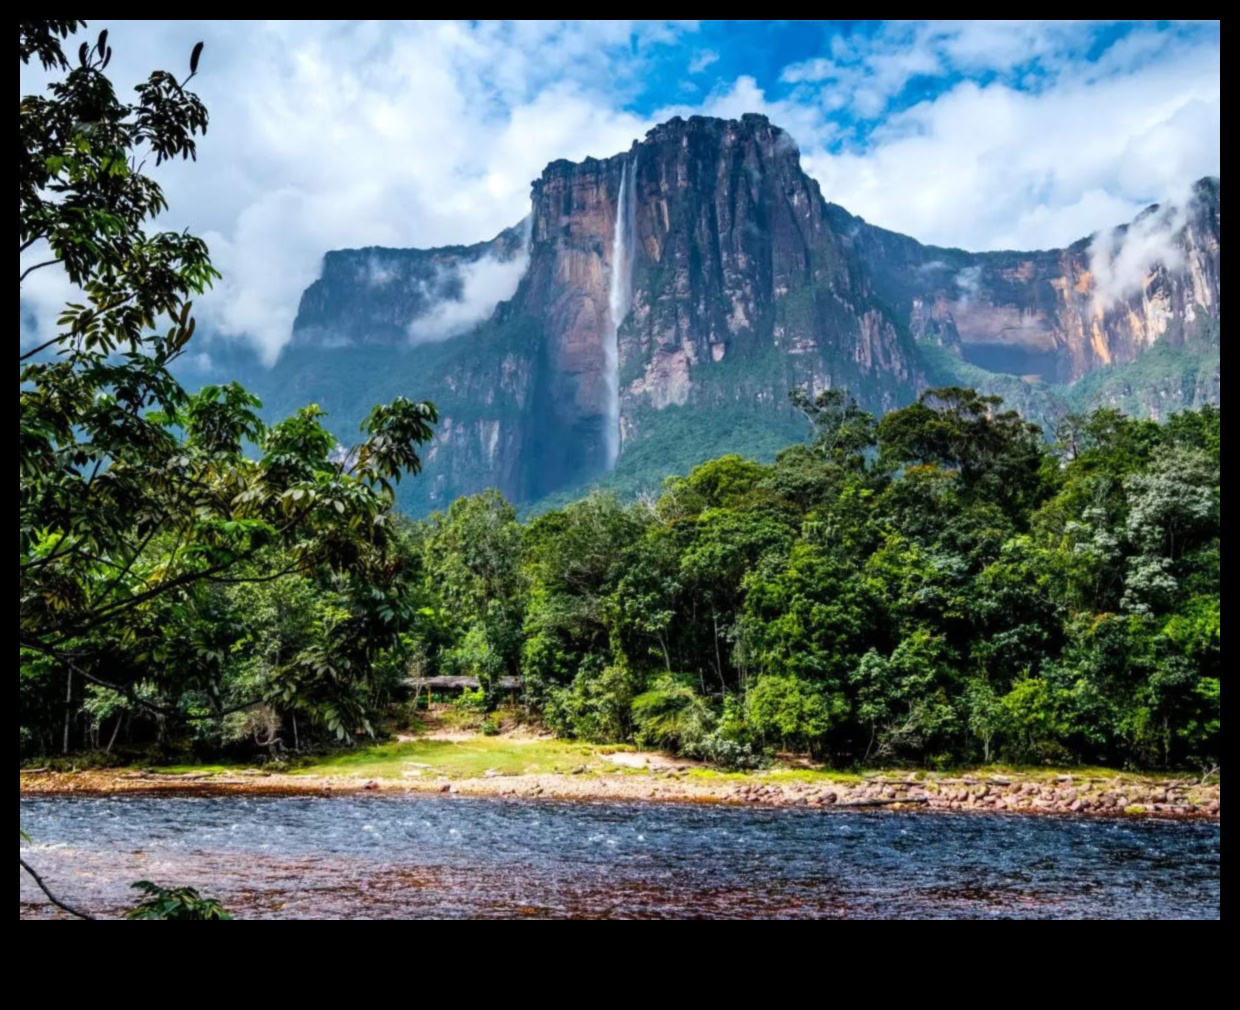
(737, 281)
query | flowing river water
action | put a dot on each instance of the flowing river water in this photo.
(377, 857)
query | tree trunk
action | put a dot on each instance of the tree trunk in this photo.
(68, 707)
(667, 656)
(115, 731)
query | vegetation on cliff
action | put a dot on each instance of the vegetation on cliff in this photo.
(744, 284)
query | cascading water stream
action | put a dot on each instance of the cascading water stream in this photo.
(619, 300)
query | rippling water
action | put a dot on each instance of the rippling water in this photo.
(422, 857)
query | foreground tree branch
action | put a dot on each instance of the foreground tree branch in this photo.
(64, 906)
(142, 505)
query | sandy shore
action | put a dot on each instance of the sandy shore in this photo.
(1111, 796)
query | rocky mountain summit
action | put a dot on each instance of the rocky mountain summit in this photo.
(657, 306)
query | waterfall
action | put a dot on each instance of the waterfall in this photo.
(527, 234)
(619, 299)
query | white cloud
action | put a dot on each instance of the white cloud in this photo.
(326, 135)
(968, 283)
(864, 73)
(989, 165)
(1121, 259)
(992, 167)
(426, 139)
(805, 123)
(484, 285)
(1002, 45)
(378, 273)
(703, 59)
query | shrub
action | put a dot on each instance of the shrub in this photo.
(789, 711)
(598, 706)
(175, 903)
(471, 701)
(672, 715)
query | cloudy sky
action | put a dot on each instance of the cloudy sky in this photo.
(984, 134)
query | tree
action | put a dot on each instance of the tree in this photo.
(791, 712)
(646, 602)
(471, 560)
(726, 546)
(136, 497)
(573, 559)
(133, 493)
(1173, 510)
(841, 430)
(996, 453)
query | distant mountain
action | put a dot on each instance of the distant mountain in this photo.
(1049, 314)
(657, 306)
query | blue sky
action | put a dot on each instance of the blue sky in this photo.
(870, 70)
(983, 134)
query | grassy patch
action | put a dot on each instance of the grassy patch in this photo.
(813, 776)
(779, 776)
(469, 759)
(514, 755)
(205, 769)
(1079, 773)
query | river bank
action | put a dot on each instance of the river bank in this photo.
(536, 768)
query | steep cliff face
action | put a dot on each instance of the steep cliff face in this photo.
(694, 276)
(1056, 315)
(742, 288)
(656, 307)
(566, 291)
(735, 288)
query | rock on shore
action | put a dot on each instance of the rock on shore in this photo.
(1111, 796)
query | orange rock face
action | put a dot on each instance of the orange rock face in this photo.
(1061, 314)
(741, 283)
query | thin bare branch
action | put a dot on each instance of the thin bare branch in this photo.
(62, 905)
(38, 266)
(164, 710)
(242, 580)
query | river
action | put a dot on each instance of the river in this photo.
(378, 857)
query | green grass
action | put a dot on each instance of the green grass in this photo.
(1080, 773)
(812, 776)
(205, 769)
(471, 759)
(508, 756)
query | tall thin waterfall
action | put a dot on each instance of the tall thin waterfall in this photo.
(619, 299)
